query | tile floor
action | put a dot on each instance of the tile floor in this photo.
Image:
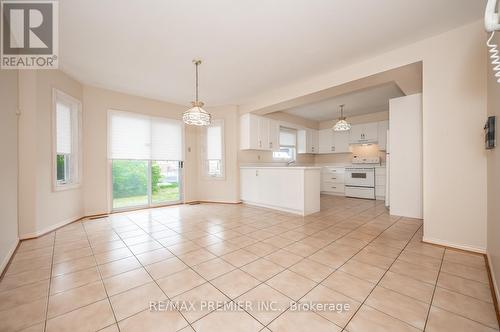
(101, 274)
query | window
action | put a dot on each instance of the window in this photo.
(288, 141)
(146, 156)
(67, 124)
(213, 149)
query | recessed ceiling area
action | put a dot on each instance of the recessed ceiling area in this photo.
(248, 47)
(370, 100)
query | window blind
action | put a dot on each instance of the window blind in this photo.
(288, 137)
(214, 141)
(141, 137)
(63, 128)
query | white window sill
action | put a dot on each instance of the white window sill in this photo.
(63, 187)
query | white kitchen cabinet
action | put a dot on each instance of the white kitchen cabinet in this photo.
(364, 133)
(341, 141)
(383, 126)
(258, 133)
(307, 141)
(332, 180)
(333, 141)
(326, 143)
(380, 183)
(291, 189)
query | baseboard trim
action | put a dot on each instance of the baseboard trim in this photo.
(214, 202)
(493, 285)
(454, 245)
(50, 228)
(10, 254)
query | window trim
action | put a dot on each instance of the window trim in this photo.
(205, 161)
(77, 164)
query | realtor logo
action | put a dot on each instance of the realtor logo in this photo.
(29, 34)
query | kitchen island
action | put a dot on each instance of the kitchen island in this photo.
(290, 189)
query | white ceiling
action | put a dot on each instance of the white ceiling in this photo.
(356, 103)
(248, 46)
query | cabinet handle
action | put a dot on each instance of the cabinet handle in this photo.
(257, 173)
(334, 178)
(260, 144)
(271, 145)
(333, 148)
(334, 187)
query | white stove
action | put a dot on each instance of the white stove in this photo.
(360, 177)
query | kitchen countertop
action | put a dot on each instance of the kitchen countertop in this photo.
(284, 167)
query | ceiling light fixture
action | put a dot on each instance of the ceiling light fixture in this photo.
(196, 115)
(342, 124)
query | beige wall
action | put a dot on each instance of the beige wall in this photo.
(226, 189)
(42, 209)
(8, 173)
(454, 111)
(494, 180)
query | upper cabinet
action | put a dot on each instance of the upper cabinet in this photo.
(307, 141)
(364, 133)
(383, 126)
(333, 141)
(258, 133)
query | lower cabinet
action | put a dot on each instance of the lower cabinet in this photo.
(332, 180)
(292, 189)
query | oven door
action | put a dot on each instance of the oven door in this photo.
(361, 177)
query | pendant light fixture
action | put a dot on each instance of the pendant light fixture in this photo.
(196, 115)
(342, 124)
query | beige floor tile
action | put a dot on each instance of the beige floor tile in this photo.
(465, 271)
(24, 315)
(368, 319)
(283, 258)
(349, 285)
(262, 269)
(291, 284)
(72, 254)
(21, 279)
(75, 298)
(73, 265)
(397, 305)
(116, 267)
(302, 321)
(112, 255)
(222, 248)
(151, 321)
(443, 321)
(377, 260)
(40, 327)
(382, 250)
(338, 308)
(126, 281)
(213, 268)
(180, 282)
(264, 303)
(408, 286)
(145, 247)
(240, 257)
(166, 267)
(469, 307)
(261, 249)
(204, 299)
(73, 280)
(183, 247)
(111, 328)
(24, 265)
(415, 271)
(418, 259)
(196, 257)
(235, 283)
(426, 249)
(154, 256)
(312, 270)
(24, 294)
(229, 321)
(364, 271)
(463, 286)
(107, 246)
(331, 259)
(470, 259)
(136, 300)
(89, 318)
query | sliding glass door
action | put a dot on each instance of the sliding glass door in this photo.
(139, 183)
(146, 160)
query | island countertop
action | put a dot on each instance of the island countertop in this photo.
(281, 167)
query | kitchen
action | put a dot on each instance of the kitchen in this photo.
(342, 146)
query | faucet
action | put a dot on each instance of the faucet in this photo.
(290, 163)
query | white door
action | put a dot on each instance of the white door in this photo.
(406, 181)
(263, 133)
